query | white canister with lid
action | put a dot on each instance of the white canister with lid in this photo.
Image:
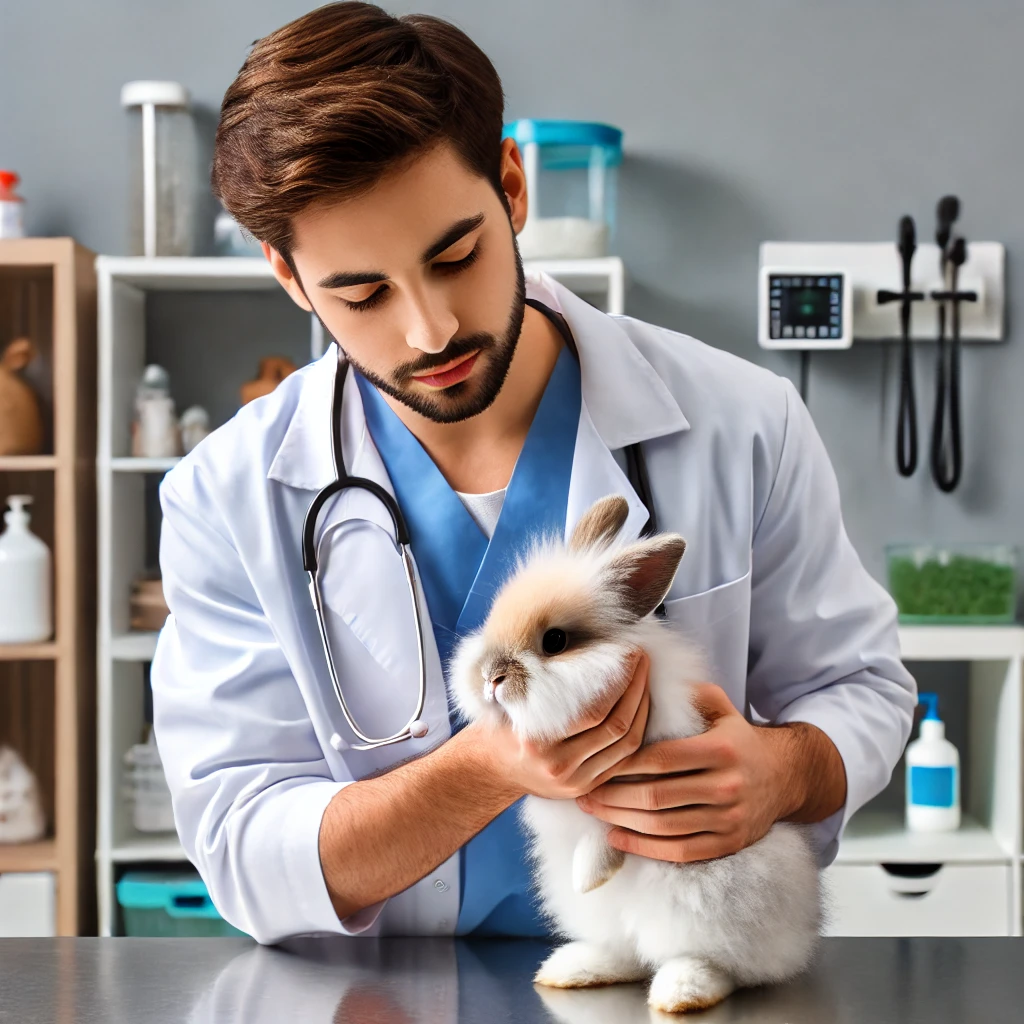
(164, 169)
(26, 608)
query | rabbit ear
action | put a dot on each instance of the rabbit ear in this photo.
(643, 572)
(600, 523)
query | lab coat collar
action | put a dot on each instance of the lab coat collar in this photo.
(626, 399)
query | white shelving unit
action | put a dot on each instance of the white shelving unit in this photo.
(888, 881)
(123, 654)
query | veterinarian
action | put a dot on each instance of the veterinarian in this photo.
(365, 153)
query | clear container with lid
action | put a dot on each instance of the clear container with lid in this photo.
(571, 179)
(164, 169)
(953, 583)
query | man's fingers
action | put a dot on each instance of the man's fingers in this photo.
(662, 793)
(684, 850)
(682, 821)
(616, 722)
(603, 763)
(670, 757)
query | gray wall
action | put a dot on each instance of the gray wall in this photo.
(745, 121)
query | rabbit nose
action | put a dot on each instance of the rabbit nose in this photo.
(492, 684)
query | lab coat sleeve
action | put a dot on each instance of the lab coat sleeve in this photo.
(246, 771)
(824, 647)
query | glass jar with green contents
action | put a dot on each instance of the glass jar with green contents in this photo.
(953, 583)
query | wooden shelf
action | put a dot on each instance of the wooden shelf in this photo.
(41, 856)
(27, 463)
(47, 690)
(29, 652)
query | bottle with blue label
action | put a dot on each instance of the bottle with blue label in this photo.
(933, 775)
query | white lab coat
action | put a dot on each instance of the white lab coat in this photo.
(244, 710)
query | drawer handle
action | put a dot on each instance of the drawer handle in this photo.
(910, 895)
(190, 902)
(912, 870)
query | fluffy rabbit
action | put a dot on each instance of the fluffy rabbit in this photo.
(557, 639)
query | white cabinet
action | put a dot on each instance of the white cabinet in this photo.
(888, 881)
(28, 905)
(919, 899)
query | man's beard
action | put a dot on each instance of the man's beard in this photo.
(469, 397)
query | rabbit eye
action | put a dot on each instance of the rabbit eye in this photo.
(555, 641)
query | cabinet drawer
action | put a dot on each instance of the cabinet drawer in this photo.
(919, 899)
(28, 905)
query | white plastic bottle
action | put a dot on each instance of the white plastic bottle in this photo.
(26, 610)
(933, 775)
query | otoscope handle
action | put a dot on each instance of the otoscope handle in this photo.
(907, 247)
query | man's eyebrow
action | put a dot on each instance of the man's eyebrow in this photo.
(346, 279)
(342, 279)
(458, 230)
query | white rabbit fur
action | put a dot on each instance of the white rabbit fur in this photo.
(701, 928)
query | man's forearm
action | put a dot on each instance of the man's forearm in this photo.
(381, 835)
(815, 786)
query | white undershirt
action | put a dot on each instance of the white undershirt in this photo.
(484, 508)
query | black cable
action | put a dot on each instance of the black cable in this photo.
(805, 372)
(906, 430)
(947, 454)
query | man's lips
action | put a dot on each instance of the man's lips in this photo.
(452, 374)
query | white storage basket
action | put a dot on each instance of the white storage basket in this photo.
(145, 789)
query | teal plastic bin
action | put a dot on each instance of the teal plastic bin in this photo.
(169, 904)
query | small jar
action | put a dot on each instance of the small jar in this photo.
(12, 223)
(571, 181)
(164, 169)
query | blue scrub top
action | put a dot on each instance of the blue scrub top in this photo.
(461, 571)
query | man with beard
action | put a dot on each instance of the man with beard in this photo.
(365, 152)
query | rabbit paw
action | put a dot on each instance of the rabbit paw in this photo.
(687, 983)
(584, 964)
(594, 862)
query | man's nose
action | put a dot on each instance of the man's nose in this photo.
(432, 324)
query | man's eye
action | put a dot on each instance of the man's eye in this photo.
(454, 266)
(369, 302)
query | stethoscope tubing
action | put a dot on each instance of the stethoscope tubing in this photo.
(415, 726)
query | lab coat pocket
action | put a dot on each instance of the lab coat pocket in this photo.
(718, 621)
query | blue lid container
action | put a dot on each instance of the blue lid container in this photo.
(571, 180)
(169, 903)
(179, 893)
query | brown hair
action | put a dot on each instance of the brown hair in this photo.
(324, 106)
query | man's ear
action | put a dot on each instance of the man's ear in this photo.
(286, 277)
(513, 182)
(643, 572)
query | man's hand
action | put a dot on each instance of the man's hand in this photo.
(567, 768)
(714, 794)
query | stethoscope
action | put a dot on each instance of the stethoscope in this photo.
(415, 727)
